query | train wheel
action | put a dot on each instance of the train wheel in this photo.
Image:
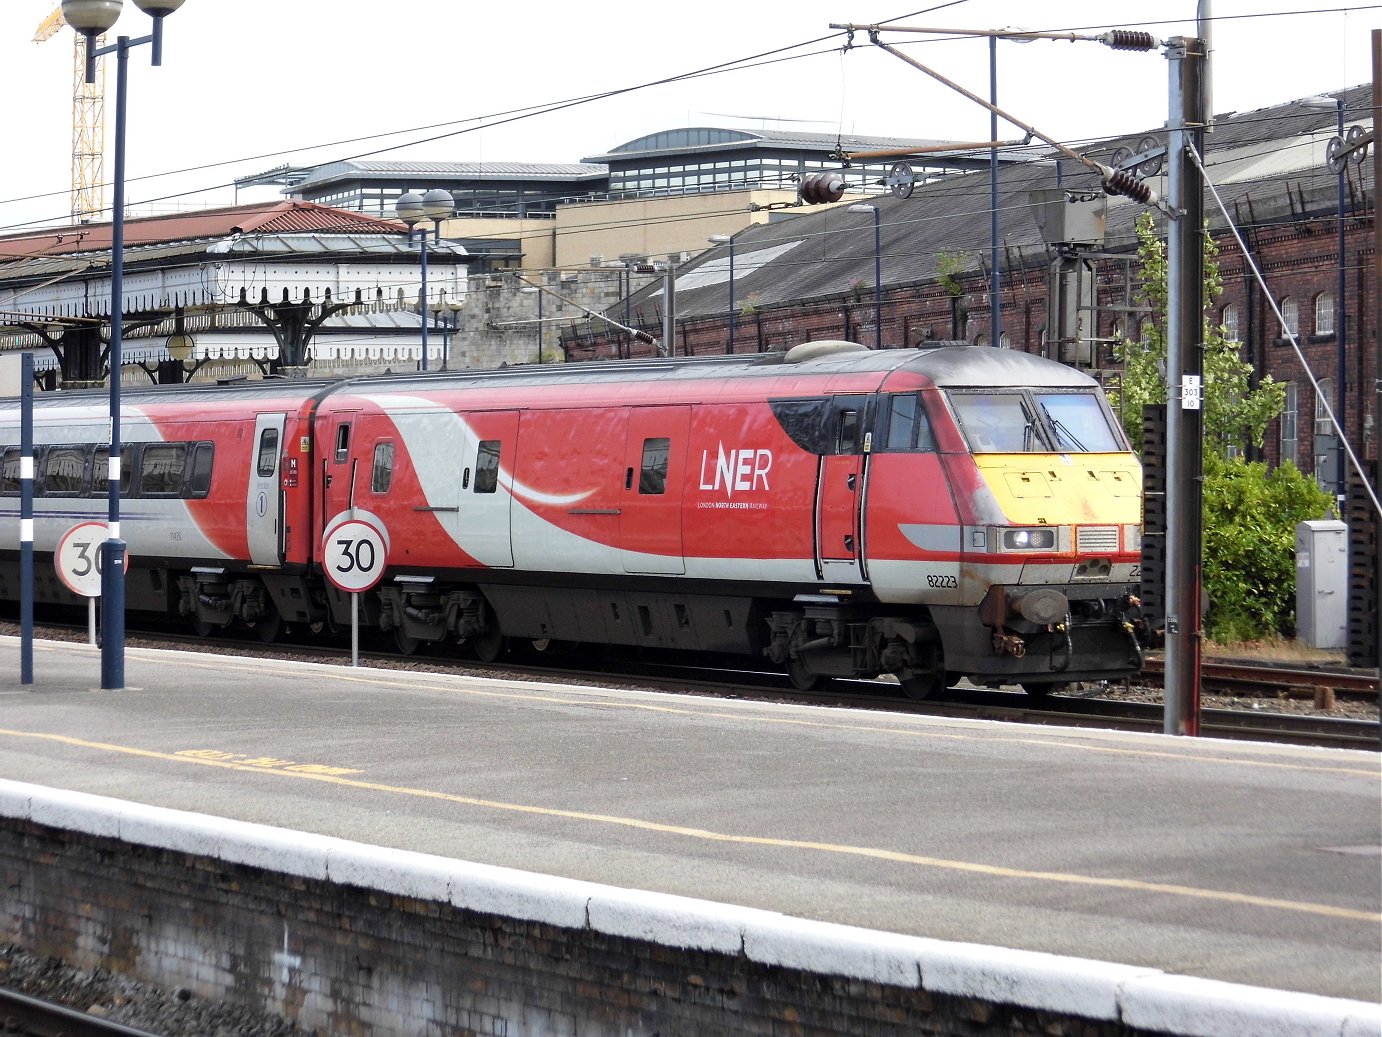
(488, 646)
(407, 644)
(922, 686)
(269, 627)
(202, 627)
(802, 679)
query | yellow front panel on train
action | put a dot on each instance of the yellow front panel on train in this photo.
(1065, 489)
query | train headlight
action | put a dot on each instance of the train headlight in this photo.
(1029, 538)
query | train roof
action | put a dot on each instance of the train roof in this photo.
(941, 364)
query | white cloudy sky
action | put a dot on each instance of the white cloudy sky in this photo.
(253, 84)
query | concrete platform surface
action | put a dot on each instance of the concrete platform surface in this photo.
(1233, 861)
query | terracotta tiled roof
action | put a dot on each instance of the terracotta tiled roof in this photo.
(286, 217)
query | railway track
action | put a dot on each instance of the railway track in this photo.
(1240, 699)
(26, 1016)
(1240, 676)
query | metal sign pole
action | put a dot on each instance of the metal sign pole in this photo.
(1184, 376)
(355, 628)
(26, 519)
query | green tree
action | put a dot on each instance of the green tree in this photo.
(1235, 413)
(1250, 514)
(1250, 518)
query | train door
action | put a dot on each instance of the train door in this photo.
(484, 479)
(840, 493)
(264, 503)
(654, 478)
(339, 472)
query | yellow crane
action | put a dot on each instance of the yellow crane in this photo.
(88, 124)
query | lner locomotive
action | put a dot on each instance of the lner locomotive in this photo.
(838, 511)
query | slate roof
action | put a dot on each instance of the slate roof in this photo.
(1267, 165)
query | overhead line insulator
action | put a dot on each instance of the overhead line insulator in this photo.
(1124, 183)
(820, 188)
(1128, 39)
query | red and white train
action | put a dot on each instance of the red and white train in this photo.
(930, 513)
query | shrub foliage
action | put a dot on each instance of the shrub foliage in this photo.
(1250, 514)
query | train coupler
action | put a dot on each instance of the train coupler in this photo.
(1009, 644)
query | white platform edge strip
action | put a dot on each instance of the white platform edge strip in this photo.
(1145, 998)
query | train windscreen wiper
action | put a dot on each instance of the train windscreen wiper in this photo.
(1063, 433)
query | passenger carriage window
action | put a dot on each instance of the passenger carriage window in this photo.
(162, 468)
(9, 472)
(342, 442)
(267, 462)
(100, 467)
(487, 466)
(908, 427)
(199, 466)
(63, 472)
(381, 475)
(652, 477)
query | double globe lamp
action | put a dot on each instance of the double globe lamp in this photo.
(413, 208)
(91, 18)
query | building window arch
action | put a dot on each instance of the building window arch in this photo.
(1230, 320)
(1288, 441)
(1290, 315)
(1324, 314)
(1323, 426)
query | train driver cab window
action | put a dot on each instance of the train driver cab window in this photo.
(652, 476)
(909, 429)
(996, 423)
(487, 466)
(381, 475)
(267, 462)
(1080, 425)
(342, 441)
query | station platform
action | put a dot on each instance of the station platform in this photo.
(1234, 862)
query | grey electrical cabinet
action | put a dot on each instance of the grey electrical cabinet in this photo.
(1322, 583)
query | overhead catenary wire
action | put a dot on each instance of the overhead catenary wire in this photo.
(775, 55)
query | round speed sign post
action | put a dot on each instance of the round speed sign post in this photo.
(78, 561)
(353, 555)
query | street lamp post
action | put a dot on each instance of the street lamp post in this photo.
(877, 271)
(91, 18)
(412, 208)
(728, 239)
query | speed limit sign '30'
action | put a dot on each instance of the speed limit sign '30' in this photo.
(353, 554)
(78, 558)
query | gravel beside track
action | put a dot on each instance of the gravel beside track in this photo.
(168, 1013)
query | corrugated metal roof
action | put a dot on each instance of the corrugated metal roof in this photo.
(690, 140)
(352, 170)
